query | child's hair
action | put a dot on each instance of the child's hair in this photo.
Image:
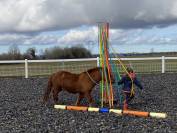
(129, 70)
(131, 73)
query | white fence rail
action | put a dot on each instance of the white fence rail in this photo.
(30, 68)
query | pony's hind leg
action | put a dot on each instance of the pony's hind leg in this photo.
(55, 94)
(80, 97)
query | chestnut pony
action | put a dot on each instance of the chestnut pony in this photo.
(82, 83)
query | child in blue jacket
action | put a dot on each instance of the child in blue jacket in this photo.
(127, 86)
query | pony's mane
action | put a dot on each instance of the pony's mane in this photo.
(93, 69)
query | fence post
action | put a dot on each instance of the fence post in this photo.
(26, 68)
(163, 64)
(63, 65)
(98, 61)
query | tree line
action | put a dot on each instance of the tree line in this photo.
(50, 53)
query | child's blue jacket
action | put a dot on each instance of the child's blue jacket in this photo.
(127, 83)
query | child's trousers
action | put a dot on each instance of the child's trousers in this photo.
(128, 98)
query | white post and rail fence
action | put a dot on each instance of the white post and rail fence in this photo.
(30, 68)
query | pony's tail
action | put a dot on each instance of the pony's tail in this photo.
(48, 90)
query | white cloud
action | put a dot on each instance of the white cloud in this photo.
(79, 36)
(89, 37)
(20, 39)
(22, 21)
(44, 15)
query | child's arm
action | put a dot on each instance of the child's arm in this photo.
(121, 81)
(137, 83)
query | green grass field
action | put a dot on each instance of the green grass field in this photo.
(45, 69)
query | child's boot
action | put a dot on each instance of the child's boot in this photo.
(125, 107)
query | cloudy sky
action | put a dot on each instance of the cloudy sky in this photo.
(136, 25)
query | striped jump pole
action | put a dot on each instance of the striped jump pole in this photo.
(116, 111)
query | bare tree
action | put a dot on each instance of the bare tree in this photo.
(31, 53)
(14, 53)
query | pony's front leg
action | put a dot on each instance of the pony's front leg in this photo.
(90, 99)
(55, 95)
(79, 99)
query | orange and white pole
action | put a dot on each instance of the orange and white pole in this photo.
(116, 111)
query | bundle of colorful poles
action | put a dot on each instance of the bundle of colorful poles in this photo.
(116, 111)
(109, 68)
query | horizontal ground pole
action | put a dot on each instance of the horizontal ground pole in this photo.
(116, 111)
(158, 115)
(136, 113)
(77, 108)
(60, 107)
(91, 109)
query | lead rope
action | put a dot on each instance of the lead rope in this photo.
(92, 78)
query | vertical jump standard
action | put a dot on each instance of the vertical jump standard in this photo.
(106, 88)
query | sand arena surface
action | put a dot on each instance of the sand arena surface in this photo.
(22, 111)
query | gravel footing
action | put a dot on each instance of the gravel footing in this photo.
(21, 109)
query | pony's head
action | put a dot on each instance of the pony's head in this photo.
(96, 74)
